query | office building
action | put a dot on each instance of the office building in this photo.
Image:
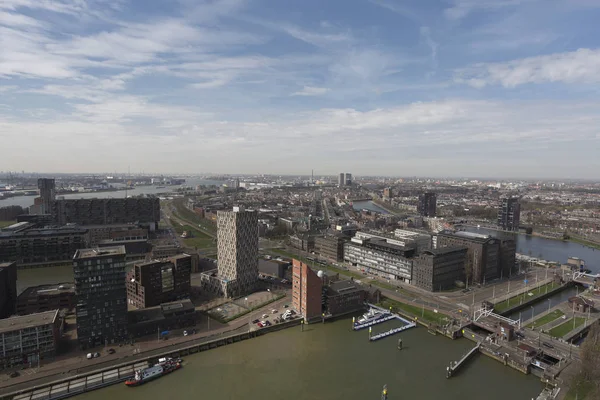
(509, 214)
(47, 195)
(427, 204)
(330, 246)
(420, 241)
(387, 193)
(439, 269)
(378, 257)
(343, 297)
(341, 180)
(237, 251)
(38, 299)
(307, 288)
(348, 179)
(483, 255)
(156, 282)
(45, 246)
(98, 233)
(8, 289)
(508, 257)
(101, 296)
(27, 339)
(144, 211)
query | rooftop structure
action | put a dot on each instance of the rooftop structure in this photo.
(37, 299)
(28, 321)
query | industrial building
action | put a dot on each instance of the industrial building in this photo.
(307, 288)
(156, 282)
(376, 256)
(8, 289)
(27, 339)
(141, 210)
(509, 214)
(41, 246)
(101, 296)
(330, 246)
(237, 252)
(439, 269)
(427, 205)
(38, 299)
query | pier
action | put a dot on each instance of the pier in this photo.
(392, 332)
(358, 326)
(454, 366)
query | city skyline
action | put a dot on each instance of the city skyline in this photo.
(376, 87)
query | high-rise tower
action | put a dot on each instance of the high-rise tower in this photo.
(509, 214)
(237, 248)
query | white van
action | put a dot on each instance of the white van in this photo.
(90, 356)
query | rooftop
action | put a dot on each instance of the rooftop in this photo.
(6, 264)
(466, 235)
(27, 321)
(99, 252)
(42, 232)
(345, 286)
(444, 250)
(44, 290)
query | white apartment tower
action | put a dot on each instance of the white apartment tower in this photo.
(237, 235)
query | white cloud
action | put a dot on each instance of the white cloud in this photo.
(462, 8)
(581, 66)
(311, 91)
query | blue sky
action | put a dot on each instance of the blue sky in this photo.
(498, 88)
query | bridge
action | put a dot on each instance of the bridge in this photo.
(454, 366)
(484, 312)
(585, 279)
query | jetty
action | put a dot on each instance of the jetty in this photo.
(454, 366)
(392, 332)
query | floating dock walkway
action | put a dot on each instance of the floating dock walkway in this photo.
(454, 366)
(378, 319)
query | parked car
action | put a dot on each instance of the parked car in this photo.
(260, 324)
(548, 345)
(14, 374)
(286, 306)
(96, 355)
(265, 315)
(111, 351)
(256, 321)
(274, 311)
(185, 333)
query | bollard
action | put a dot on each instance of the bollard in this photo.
(302, 326)
(370, 334)
(399, 344)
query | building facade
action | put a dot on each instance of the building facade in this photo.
(47, 188)
(38, 299)
(342, 297)
(439, 269)
(8, 289)
(25, 340)
(165, 317)
(156, 282)
(142, 210)
(330, 247)
(101, 296)
(237, 250)
(378, 257)
(41, 246)
(509, 214)
(483, 255)
(307, 289)
(427, 204)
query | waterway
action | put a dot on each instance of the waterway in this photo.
(541, 306)
(368, 205)
(26, 201)
(329, 361)
(548, 249)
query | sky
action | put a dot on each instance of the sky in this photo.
(485, 88)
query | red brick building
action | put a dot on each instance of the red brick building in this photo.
(307, 289)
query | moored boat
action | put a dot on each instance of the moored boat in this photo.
(165, 366)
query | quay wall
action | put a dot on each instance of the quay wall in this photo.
(180, 351)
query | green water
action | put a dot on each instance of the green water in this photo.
(332, 362)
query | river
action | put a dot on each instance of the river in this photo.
(329, 361)
(368, 205)
(548, 249)
(26, 201)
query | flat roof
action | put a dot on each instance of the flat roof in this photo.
(345, 286)
(42, 232)
(27, 321)
(467, 235)
(57, 288)
(6, 264)
(99, 252)
(444, 250)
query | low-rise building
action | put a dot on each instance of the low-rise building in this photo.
(161, 318)
(379, 257)
(439, 269)
(26, 339)
(274, 268)
(156, 282)
(44, 298)
(303, 241)
(342, 297)
(165, 251)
